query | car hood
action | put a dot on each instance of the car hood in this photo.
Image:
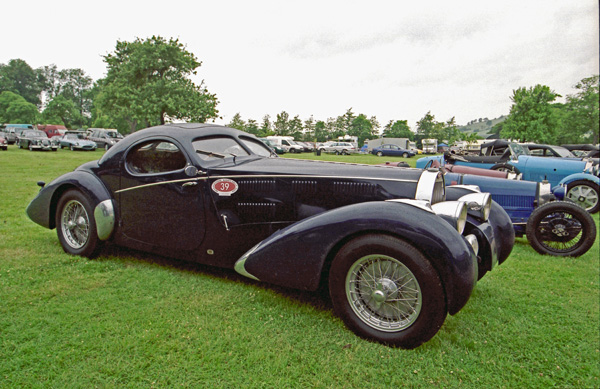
(295, 167)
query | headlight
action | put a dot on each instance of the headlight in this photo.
(454, 212)
(478, 205)
(431, 186)
(544, 194)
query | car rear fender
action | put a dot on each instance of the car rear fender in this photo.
(300, 254)
(42, 208)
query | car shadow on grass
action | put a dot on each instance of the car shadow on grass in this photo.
(318, 299)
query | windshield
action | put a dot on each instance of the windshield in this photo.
(112, 134)
(36, 133)
(221, 147)
(517, 150)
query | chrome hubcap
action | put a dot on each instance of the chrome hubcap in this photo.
(583, 195)
(75, 224)
(383, 293)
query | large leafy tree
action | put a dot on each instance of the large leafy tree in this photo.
(62, 111)
(398, 129)
(582, 113)
(18, 77)
(15, 109)
(531, 118)
(147, 83)
(362, 128)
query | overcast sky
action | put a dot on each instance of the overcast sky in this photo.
(396, 60)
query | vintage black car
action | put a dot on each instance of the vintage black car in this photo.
(395, 256)
(36, 140)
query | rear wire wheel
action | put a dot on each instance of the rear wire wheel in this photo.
(561, 228)
(385, 290)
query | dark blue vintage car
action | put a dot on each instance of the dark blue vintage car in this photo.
(394, 254)
(552, 227)
(578, 179)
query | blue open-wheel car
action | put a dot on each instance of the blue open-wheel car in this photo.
(578, 179)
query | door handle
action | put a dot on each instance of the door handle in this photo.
(190, 183)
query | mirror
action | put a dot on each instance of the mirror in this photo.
(191, 171)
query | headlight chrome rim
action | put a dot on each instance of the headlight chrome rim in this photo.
(454, 212)
(479, 205)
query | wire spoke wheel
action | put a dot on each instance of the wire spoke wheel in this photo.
(561, 228)
(560, 232)
(75, 224)
(383, 293)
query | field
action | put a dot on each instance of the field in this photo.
(133, 319)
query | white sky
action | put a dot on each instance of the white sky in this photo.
(395, 60)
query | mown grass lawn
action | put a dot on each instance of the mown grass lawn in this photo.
(133, 319)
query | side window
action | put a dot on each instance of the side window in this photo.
(156, 156)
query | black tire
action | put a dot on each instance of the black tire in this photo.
(505, 167)
(337, 152)
(76, 225)
(376, 312)
(106, 147)
(405, 155)
(71, 148)
(561, 228)
(379, 154)
(585, 194)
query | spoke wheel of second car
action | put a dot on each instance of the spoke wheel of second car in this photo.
(75, 224)
(561, 228)
(384, 289)
(585, 194)
(505, 167)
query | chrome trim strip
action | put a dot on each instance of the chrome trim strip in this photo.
(104, 213)
(240, 264)
(263, 176)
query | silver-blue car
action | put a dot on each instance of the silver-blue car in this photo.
(77, 141)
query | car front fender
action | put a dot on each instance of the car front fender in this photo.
(579, 176)
(299, 255)
(42, 208)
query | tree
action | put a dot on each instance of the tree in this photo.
(62, 111)
(237, 122)
(147, 83)
(582, 116)
(362, 128)
(398, 129)
(426, 126)
(15, 109)
(18, 77)
(282, 124)
(530, 118)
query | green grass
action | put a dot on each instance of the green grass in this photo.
(133, 319)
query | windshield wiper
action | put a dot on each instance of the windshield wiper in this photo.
(211, 154)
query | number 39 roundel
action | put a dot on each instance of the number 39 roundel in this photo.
(225, 187)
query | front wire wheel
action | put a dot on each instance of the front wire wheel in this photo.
(561, 228)
(385, 290)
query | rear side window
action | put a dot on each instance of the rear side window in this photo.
(157, 156)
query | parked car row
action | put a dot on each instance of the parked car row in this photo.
(53, 138)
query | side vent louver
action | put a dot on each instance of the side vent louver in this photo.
(355, 188)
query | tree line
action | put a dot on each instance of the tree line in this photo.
(148, 83)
